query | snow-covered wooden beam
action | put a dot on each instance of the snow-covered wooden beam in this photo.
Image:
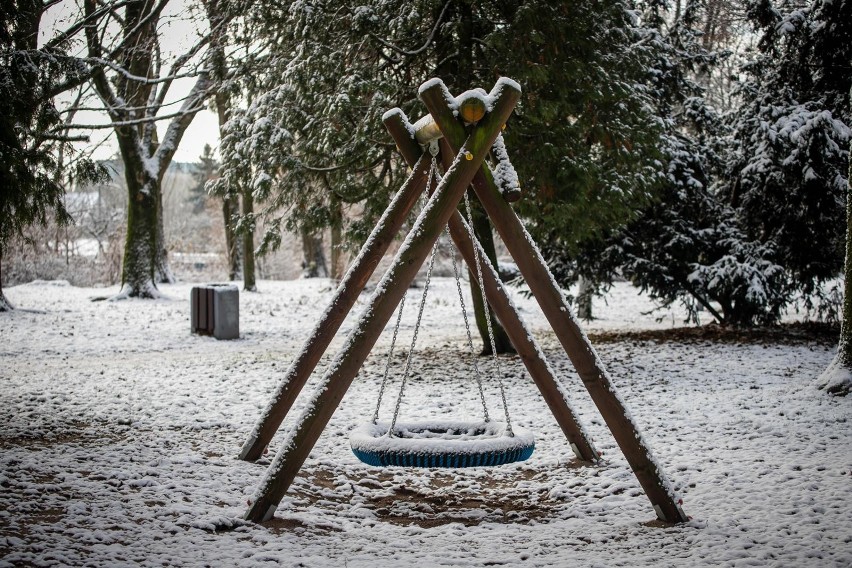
(576, 344)
(498, 298)
(412, 253)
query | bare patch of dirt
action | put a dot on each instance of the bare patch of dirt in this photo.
(72, 433)
(439, 498)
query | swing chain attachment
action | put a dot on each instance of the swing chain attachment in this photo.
(433, 151)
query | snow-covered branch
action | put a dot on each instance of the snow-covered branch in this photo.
(140, 121)
(194, 103)
(136, 78)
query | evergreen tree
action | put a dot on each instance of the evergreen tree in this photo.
(207, 170)
(584, 139)
(789, 151)
(33, 141)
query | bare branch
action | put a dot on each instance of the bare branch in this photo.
(136, 78)
(77, 26)
(128, 36)
(136, 121)
(194, 103)
(99, 78)
(178, 64)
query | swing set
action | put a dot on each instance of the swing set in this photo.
(461, 131)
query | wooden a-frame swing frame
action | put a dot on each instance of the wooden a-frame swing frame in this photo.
(463, 149)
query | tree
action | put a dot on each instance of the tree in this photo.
(785, 173)
(240, 251)
(128, 75)
(33, 137)
(837, 378)
(314, 119)
(682, 244)
(207, 173)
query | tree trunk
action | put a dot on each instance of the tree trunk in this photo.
(219, 67)
(313, 257)
(482, 229)
(337, 267)
(232, 244)
(5, 305)
(162, 271)
(140, 246)
(249, 284)
(837, 378)
(584, 300)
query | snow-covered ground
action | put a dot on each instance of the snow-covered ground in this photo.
(119, 431)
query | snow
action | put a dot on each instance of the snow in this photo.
(837, 378)
(120, 430)
(439, 437)
(505, 176)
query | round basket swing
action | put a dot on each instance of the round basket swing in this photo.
(442, 443)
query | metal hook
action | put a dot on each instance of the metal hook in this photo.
(433, 148)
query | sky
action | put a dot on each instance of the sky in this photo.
(180, 26)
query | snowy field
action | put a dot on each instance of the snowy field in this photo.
(119, 431)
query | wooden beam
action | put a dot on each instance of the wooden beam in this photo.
(414, 250)
(498, 298)
(329, 323)
(575, 343)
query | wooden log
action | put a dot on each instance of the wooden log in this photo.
(425, 130)
(471, 105)
(575, 343)
(498, 298)
(414, 250)
(329, 323)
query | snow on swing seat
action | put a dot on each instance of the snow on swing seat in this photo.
(440, 444)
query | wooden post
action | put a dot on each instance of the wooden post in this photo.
(414, 250)
(575, 343)
(329, 323)
(531, 355)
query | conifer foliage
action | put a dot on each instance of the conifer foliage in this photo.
(789, 151)
(33, 141)
(752, 202)
(585, 137)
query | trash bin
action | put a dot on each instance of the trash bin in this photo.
(215, 311)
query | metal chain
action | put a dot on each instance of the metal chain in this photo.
(408, 359)
(433, 172)
(478, 263)
(405, 372)
(389, 360)
(477, 373)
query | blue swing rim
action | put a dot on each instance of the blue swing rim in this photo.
(440, 444)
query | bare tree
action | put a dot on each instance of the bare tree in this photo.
(127, 71)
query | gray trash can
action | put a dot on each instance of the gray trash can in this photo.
(215, 310)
